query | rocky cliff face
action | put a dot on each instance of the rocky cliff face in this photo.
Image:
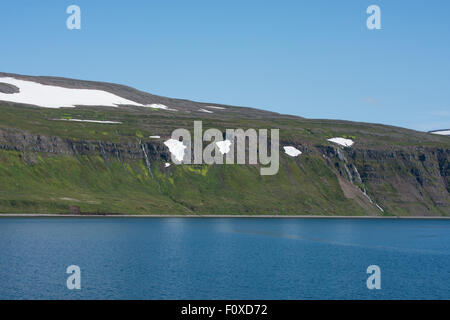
(406, 180)
(33, 144)
(373, 181)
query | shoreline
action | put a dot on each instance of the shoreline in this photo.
(48, 215)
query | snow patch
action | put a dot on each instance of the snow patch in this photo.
(292, 151)
(204, 110)
(69, 199)
(159, 106)
(214, 107)
(224, 146)
(57, 97)
(91, 121)
(441, 132)
(342, 141)
(176, 148)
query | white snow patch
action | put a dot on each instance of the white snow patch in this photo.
(292, 151)
(176, 148)
(57, 97)
(442, 132)
(154, 137)
(167, 164)
(204, 110)
(69, 199)
(342, 141)
(159, 106)
(91, 121)
(214, 107)
(224, 146)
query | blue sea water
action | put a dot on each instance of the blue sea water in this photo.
(224, 258)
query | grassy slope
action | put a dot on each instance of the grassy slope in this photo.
(54, 183)
(142, 122)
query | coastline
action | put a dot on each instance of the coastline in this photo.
(45, 215)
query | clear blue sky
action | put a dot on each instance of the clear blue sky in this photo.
(311, 58)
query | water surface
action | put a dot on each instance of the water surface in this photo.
(224, 258)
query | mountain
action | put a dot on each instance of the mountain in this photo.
(69, 145)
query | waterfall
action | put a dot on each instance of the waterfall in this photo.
(341, 157)
(117, 152)
(371, 201)
(102, 150)
(350, 177)
(367, 196)
(147, 162)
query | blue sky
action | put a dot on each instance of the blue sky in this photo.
(315, 59)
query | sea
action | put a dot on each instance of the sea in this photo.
(223, 258)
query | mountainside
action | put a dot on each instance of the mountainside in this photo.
(52, 160)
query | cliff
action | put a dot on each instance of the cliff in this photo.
(49, 174)
(49, 164)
